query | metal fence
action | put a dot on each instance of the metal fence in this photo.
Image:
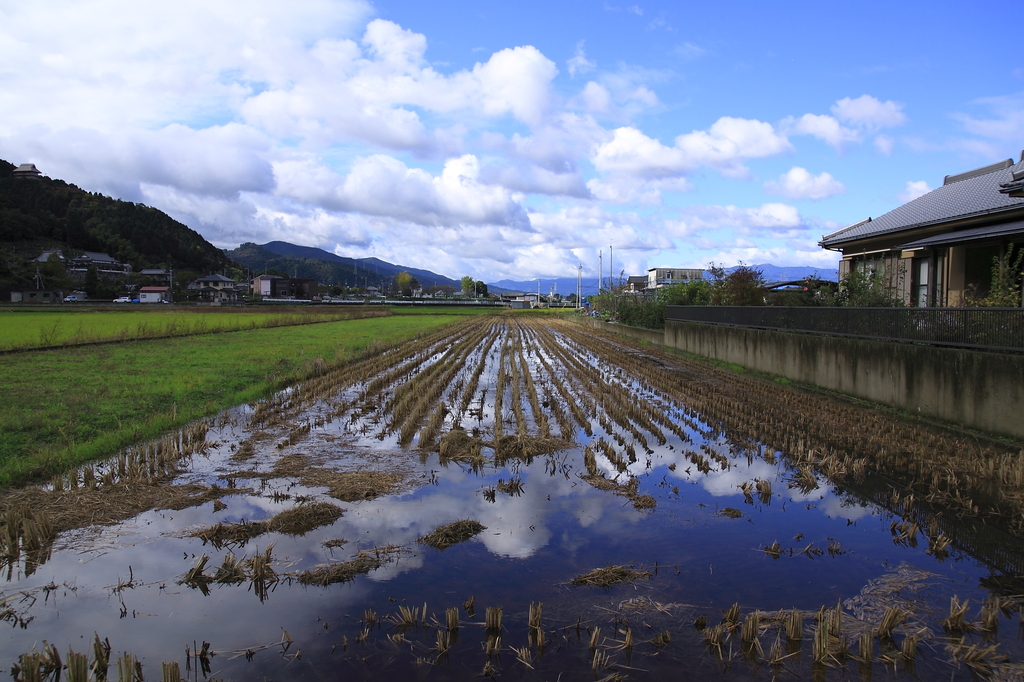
(987, 328)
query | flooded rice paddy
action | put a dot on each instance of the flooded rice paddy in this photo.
(522, 498)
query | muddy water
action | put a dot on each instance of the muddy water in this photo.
(702, 544)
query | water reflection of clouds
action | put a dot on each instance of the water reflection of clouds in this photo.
(160, 616)
(849, 508)
(516, 526)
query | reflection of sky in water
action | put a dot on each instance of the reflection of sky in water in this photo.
(533, 544)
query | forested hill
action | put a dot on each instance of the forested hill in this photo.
(328, 268)
(53, 212)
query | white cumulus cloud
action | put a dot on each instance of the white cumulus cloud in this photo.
(823, 127)
(869, 113)
(798, 183)
(724, 146)
(579, 63)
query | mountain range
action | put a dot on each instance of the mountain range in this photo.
(47, 213)
(327, 268)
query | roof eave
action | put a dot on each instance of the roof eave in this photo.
(826, 243)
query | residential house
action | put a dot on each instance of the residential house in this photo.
(216, 289)
(666, 277)
(154, 294)
(156, 275)
(936, 249)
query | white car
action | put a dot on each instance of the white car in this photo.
(122, 299)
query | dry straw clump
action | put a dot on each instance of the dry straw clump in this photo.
(298, 520)
(340, 572)
(354, 486)
(344, 571)
(459, 446)
(609, 576)
(450, 534)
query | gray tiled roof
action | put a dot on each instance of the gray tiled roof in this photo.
(971, 196)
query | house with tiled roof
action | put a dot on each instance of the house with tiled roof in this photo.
(215, 289)
(936, 248)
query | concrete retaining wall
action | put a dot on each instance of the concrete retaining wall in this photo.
(983, 391)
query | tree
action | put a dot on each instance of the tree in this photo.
(1005, 290)
(866, 287)
(744, 285)
(54, 274)
(403, 280)
(92, 282)
(697, 292)
(480, 288)
(468, 284)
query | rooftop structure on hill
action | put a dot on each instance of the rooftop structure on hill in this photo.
(27, 171)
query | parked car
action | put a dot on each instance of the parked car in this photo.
(122, 299)
(71, 299)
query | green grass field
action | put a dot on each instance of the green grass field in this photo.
(34, 328)
(67, 406)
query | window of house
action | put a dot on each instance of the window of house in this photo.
(921, 282)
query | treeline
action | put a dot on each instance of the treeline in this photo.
(48, 211)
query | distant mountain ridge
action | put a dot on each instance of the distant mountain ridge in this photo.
(51, 213)
(792, 273)
(328, 268)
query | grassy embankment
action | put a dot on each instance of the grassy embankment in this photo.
(67, 406)
(74, 325)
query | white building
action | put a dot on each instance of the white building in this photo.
(666, 277)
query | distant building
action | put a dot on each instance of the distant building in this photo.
(215, 289)
(154, 295)
(636, 284)
(666, 277)
(156, 275)
(275, 286)
(45, 256)
(101, 261)
(27, 171)
(939, 247)
(269, 286)
(35, 296)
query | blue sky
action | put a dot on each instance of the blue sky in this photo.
(513, 140)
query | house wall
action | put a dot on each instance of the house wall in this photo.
(983, 391)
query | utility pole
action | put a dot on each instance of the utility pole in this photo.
(579, 285)
(600, 271)
(611, 268)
